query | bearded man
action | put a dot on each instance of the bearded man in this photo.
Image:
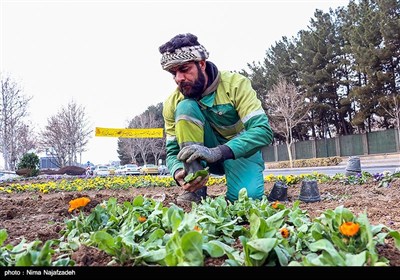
(213, 120)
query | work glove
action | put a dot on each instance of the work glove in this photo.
(190, 153)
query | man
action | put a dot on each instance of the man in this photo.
(213, 119)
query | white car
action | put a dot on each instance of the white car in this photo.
(130, 169)
(8, 175)
(101, 170)
(163, 170)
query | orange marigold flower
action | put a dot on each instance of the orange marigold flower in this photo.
(197, 228)
(142, 219)
(275, 204)
(349, 228)
(77, 203)
(285, 232)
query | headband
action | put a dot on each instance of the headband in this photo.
(183, 55)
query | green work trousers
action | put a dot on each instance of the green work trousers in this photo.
(239, 173)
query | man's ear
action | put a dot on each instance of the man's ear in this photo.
(202, 64)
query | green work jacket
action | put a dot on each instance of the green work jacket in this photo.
(234, 112)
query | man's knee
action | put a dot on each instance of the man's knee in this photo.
(255, 193)
(187, 107)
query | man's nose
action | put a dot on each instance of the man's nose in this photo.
(179, 76)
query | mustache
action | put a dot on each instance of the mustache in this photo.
(184, 84)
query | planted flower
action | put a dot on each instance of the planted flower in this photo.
(349, 229)
(285, 232)
(197, 228)
(275, 204)
(142, 219)
(78, 203)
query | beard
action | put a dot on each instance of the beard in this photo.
(194, 89)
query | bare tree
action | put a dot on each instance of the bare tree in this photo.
(128, 147)
(13, 110)
(286, 109)
(141, 144)
(25, 142)
(143, 147)
(66, 135)
(391, 104)
(156, 145)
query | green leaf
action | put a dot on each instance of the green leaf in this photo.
(263, 244)
(105, 241)
(214, 248)
(3, 236)
(192, 246)
(356, 260)
(326, 246)
(396, 236)
(200, 173)
(155, 256)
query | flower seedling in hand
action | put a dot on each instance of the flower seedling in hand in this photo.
(200, 173)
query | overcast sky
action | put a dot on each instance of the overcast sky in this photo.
(104, 54)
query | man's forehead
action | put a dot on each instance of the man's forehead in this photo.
(179, 66)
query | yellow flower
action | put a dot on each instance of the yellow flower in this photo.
(349, 228)
(285, 232)
(142, 219)
(77, 203)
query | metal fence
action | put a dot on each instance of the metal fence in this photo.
(377, 142)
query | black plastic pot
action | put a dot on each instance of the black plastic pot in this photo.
(309, 191)
(278, 192)
(353, 166)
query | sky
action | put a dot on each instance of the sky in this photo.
(104, 55)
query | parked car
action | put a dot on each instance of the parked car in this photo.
(112, 170)
(130, 169)
(8, 176)
(163, 170)
(119, 170)
(149, 169)
(101, 170)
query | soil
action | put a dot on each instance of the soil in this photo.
(35, 216)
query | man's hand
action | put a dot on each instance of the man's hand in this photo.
(191, 186)
(191, 153)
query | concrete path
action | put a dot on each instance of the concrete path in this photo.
(376, 160)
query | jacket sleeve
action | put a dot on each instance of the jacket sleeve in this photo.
(258, 132)
(172, 147)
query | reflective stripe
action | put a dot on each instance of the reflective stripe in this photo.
(190, 119)
(170, 138)
(184, 144)
(227, 127)
(252, 114)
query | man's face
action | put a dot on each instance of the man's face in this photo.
(190, 79)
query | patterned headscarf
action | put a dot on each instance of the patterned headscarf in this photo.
(183, 55)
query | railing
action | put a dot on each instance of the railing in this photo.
(373, 143)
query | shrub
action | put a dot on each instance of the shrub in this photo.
(312, 162)
(29, 165)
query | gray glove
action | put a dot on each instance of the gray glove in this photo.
(190, 153)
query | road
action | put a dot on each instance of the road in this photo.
(329, 170)
(372, 164)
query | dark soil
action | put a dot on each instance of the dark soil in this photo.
(36, 216)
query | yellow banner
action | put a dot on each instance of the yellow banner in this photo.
(130, 132)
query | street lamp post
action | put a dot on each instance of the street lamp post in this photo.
(326, 143)
(69, 153)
